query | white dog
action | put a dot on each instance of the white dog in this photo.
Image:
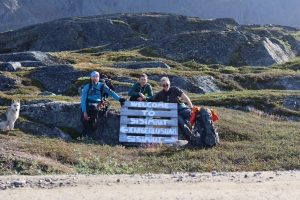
(12, 114)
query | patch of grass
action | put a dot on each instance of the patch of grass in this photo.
(149, 51)
(270, 101)
(293, 64)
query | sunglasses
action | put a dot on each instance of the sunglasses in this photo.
(165, 85)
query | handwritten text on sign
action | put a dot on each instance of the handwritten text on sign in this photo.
(149, 104)
(153, 139)
(148, 121)
(164, 131)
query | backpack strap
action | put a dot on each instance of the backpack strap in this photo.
(102, 91)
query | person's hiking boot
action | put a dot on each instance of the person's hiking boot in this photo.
(93, 127)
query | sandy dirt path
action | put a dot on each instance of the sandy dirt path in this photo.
(215, 185)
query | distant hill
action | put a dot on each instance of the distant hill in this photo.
(15, 14)
(176, 37)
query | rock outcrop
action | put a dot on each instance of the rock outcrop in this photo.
(177, 37)
(19, 13)
(142, 64)
(8, 83)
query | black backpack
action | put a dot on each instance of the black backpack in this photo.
(205, 132)
(106, 81)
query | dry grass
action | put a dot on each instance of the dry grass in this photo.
(249, 141)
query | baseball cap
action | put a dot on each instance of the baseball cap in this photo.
(94, 73)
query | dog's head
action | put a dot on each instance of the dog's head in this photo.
(15, 105)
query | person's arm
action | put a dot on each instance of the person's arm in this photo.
(83, 102)
(157, 97)
(111, 93)
(133, 91)
(83, 98)
(187, 99)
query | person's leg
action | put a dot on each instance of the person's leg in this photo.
(134, 98)
(93, 114)
(182, 117)
(86, 130)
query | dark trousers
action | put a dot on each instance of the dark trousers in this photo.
(134, 98)
(92, 111)
(183, 116)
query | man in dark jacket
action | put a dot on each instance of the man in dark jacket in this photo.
(90, 99)
(141, 91)
(173, 95)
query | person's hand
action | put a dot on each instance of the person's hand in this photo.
(140, 99)
(85, 115)
(122, 100)
(142, 96)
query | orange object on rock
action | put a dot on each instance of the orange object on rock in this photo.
(194, 113)
(197, 109)
(214, 115)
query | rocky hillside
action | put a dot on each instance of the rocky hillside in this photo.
(199, 56)
(176, 37)
(50, 87)
(15, 14)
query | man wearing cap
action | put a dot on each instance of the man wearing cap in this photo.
(90, 99)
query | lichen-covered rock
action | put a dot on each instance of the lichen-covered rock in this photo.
(292, 102)
(10, 66)
(29, 56)
(8, 83)
(181, 82)
(206, 83)
(41, 129)
(58, 78)
(284, 82)
(53, 116)
(142, 64)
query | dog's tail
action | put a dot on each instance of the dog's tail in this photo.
(3, 125)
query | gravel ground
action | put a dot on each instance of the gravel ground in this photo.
(215, 185)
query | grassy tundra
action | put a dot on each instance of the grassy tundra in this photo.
(250, 140)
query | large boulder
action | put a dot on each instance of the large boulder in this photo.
(52, 117)
(283, 82)
(139, 65)
(42, 129)
(292, 102)
(30, 56)
(8, 83)
(58, 78)
(180, 81)
(10, 66)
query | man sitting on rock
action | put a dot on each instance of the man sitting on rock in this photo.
(172, 95)
(90, 100)
(141, 91)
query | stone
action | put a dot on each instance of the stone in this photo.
(10, 66)
(139, 65)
